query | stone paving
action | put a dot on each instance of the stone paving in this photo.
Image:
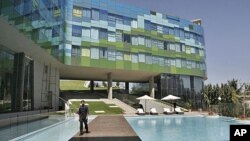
(127, 109)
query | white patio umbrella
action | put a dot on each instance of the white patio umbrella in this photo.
(145, 97)
(171, 98)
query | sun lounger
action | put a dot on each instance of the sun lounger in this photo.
(178, 110)
(140, 111)
(167, 111)
(153, 111)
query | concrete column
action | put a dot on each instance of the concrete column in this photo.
(151, 87)
(92, 84)
(127, 87)
(110, 94)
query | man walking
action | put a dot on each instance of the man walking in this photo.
(83, 117)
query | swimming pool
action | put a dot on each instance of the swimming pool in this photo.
(61, 131)
(181, 128)
(16, 130)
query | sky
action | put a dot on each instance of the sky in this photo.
(227, 33)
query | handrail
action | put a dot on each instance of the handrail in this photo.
(67, 107)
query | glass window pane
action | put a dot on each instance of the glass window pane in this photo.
(76, 31)
(142, 58)
(134, 58)
(95, 14)
(94, 53)
(77, 11)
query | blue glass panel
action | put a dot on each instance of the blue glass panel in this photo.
(103, 15)
(95, 14)
(76, 31)
(147, 25)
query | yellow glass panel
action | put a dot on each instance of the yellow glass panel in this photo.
(85, 52)
(77, 12)
(127, 57)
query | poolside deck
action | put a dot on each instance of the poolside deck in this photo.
(108, 128)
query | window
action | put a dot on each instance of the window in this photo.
(153, 26)
(86, 52)
(148, 59)
(189, 64)
(165, 45)
(165, 30)
(183, 48)
(154, 43)
(134, 58)
(178, 63)
(76, 31)
(94, 53)
(103, 15)
(201, 52)
(127, 38)
(181, 33)
(142, 58)
(178, 47)
(160, 44)
(119, 55)
(141, 40)
(56, 31)
(134, 40)
(127, 57)
(187, 35)
(77, 11)
(193, 50)
(148, 42)
(75, 51)
(111, 55)
(183, 63)
(167, 62)
(119, 20)
(94, 33)
(127, 21)
(155, 60)
(172, 62)
(159, 29)
(86, 13)
(86, 32)
(111, 20)
(171, 31)
(177, 32)
(111, 36)
(103, 34)
(95, 14)
(188, 50)
(119, 36)
(161, 61)
(147, 25)
(193, 65)
(103, 53)
(172, 47)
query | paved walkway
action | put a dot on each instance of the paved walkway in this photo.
(108, 128)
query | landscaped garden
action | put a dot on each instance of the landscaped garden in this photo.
(97, 107)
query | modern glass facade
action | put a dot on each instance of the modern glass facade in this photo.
(108, 34)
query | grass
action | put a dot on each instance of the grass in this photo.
(72, 85)
(97, 106)
(78, 85)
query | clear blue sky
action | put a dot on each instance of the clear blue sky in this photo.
(227, 32)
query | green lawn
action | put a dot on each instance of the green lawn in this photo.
(72, 85)
(78, 85)
(97, 106)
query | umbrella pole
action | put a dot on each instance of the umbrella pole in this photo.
(145, 106)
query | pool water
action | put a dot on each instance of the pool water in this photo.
(181, 128)
(17, 130)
